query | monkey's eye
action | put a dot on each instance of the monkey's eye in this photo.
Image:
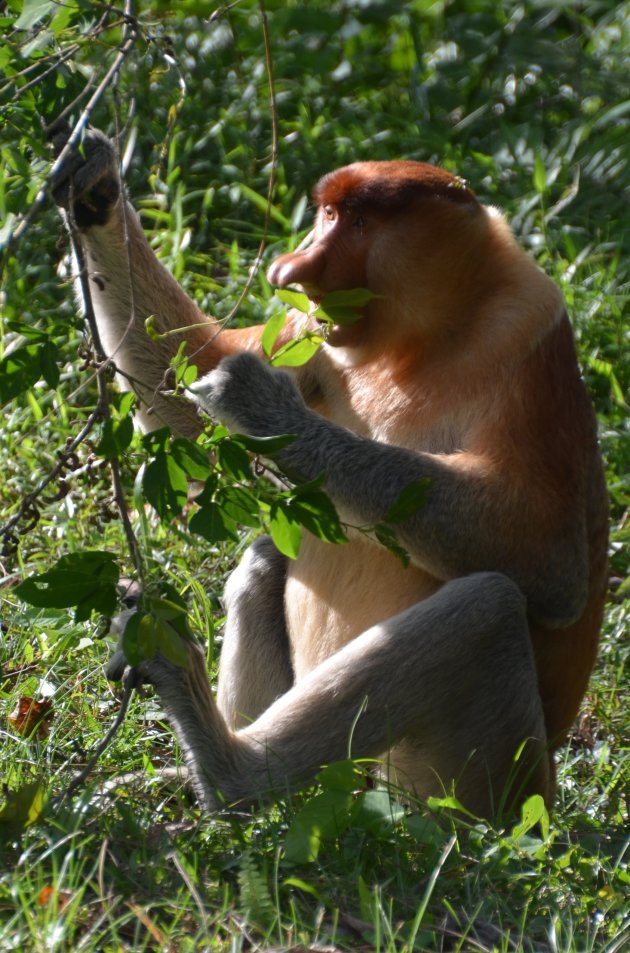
(329, 212)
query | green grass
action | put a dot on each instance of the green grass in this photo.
(528, 101)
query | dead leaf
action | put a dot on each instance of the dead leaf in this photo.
(30, 717)
(49, 895)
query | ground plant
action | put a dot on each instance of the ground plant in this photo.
(225, 115)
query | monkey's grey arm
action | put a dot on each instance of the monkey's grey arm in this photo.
(452, 534)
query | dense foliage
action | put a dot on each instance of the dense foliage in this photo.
(526, 99)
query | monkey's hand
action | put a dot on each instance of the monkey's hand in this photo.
(88, 180)
(250, 397)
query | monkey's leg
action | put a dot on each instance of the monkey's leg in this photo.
(255, 664)
(453, 674)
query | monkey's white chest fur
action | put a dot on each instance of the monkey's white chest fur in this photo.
(325, 602)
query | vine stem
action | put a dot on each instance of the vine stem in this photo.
(73, 140)
(104, 413)
(274, 162)
(82, 775)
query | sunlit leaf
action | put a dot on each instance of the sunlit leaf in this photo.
(294, 299)
(21, 808)
(298, 352)
(286, 531)
(273, 327)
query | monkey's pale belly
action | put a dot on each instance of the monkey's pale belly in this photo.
(336, 592)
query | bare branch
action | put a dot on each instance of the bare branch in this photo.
(76, 134)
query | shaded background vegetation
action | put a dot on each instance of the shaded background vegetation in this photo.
(528, 101)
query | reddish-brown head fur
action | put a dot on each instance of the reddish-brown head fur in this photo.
(389, 186)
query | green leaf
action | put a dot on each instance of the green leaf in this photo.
(48, 357)
(353, 298)
(325, 816)
(376, 811)
(165, 486)
(170, 644)
(425, 830)
(449, 803)
(185, 373)
(19, 371)
(22, 808)
(387, 538)
(265, 446)
(137, 640)
(339, 776)
(343, 316)
(190, 458)
(116, 436)
(409, 501)
(533, 812)
(605, 368)
(273, 327)
(540, 175)
(298, 352)
(294, 299)
(286, 532)
(240, 505)
(32, 12)
(161, 626)
(156, 440)
(316, 512)
(86, 580)
(233, 460)
(264, 206)
(341, 307)
(213, 523)
(62, 19)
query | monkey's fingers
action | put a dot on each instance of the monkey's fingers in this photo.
(88, 177)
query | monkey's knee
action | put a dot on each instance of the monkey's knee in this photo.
(493, 592)
(490, 731)
(259, 577)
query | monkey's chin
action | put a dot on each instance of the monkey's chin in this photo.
(345, 335)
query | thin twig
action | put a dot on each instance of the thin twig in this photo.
(253, 271)
(75, 135)
(85, 772)
(32, 497)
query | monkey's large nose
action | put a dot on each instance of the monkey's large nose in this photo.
(298, 268)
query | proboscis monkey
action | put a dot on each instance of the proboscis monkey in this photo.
(468, 666)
